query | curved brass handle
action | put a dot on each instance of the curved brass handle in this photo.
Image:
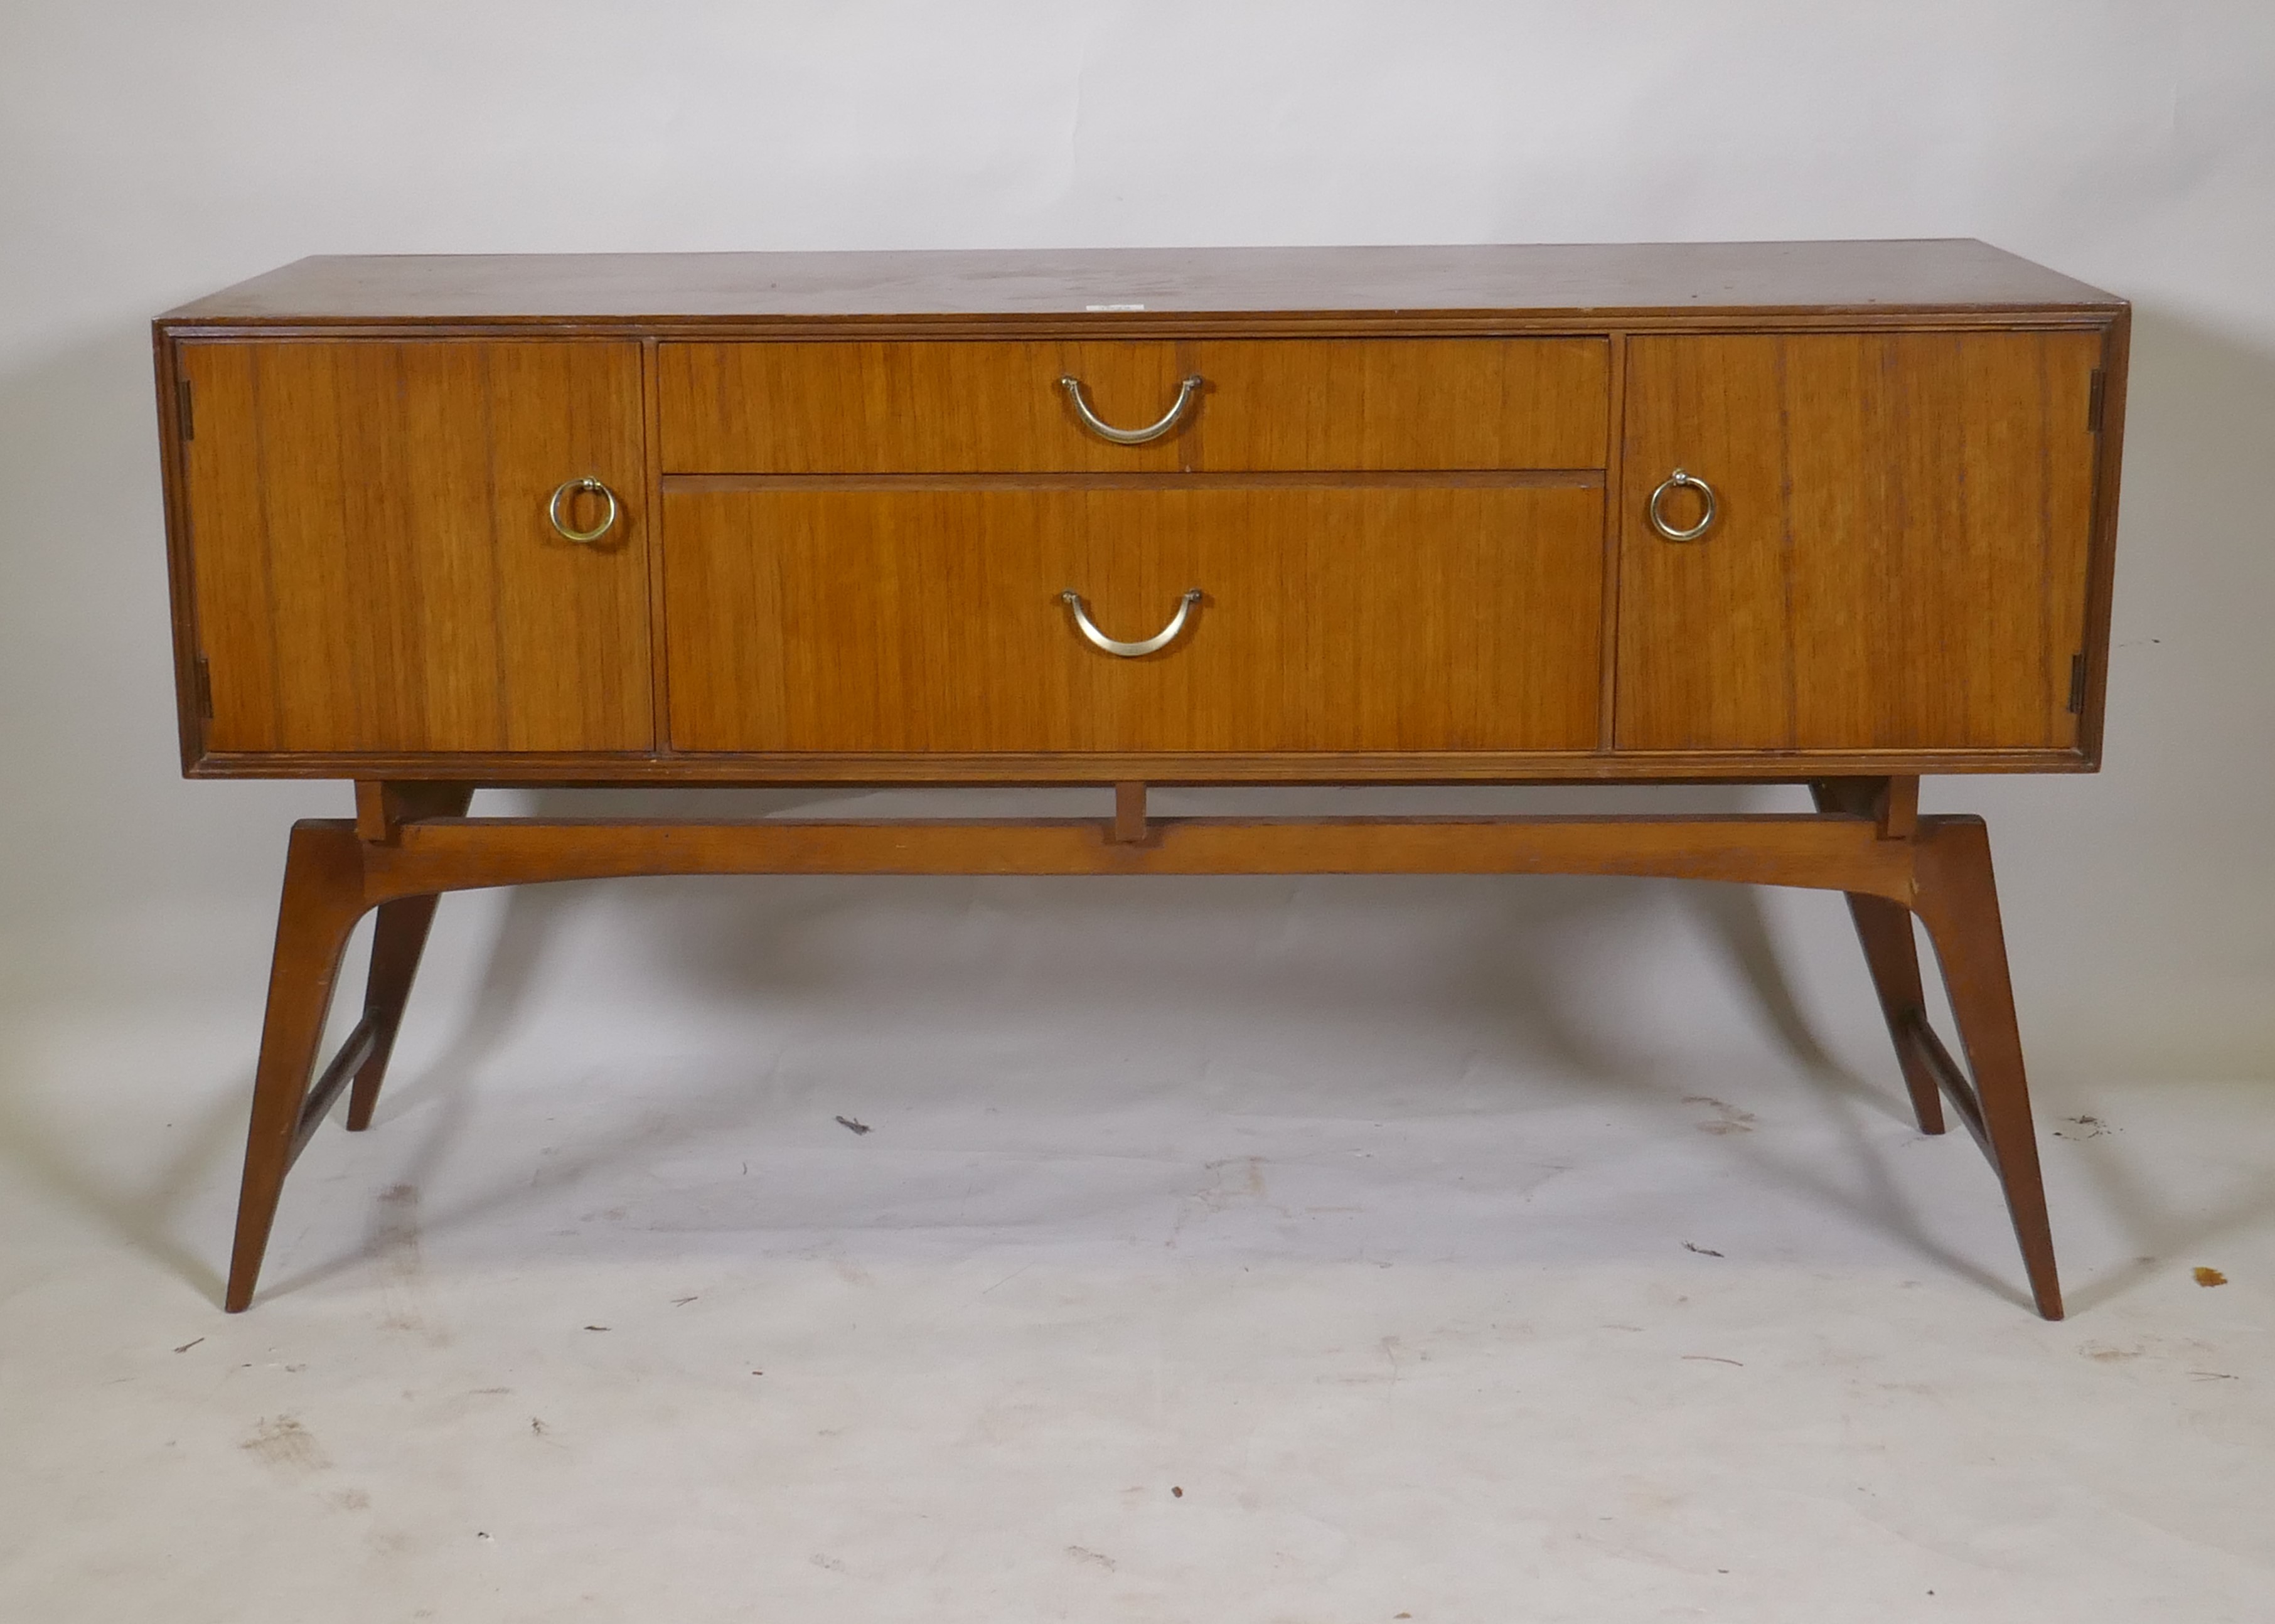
(1186, 390)
(1658, 520)
(1160, 640)
(569, 533)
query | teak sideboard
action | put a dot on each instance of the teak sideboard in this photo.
(1833, 514)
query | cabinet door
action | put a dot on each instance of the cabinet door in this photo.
(374, 564)
(1332, 618)
(1898, 553)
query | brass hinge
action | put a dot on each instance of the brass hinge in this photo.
(189, 424)
(2076, 684)
(2095, 394)
(204, 684)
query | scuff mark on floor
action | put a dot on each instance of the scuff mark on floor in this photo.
(401, 1271)
(281, 1441)
(1727, 1118)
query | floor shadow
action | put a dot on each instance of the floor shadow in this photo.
(2158, 1232)
(140, 1214)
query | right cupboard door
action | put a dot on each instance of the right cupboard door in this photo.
(1898, 554)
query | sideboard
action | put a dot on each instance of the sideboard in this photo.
(1831, 514)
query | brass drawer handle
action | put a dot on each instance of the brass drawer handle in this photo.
(568, 533)
(1658, 520)
(1160, 640)
(1090, 420)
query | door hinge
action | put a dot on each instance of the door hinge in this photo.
(189, 424)
(2076, 684)
(202, 680)
(2095, 393)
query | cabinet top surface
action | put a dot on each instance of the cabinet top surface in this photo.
(1583, 280)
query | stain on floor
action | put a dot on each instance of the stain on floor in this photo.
(1727, 1119)
(281, 1441)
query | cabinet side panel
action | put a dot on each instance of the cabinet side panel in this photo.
(2101, 564)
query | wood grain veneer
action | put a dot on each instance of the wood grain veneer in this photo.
(909, 408)
(1336, 618)
(1899, 557)
(1275, 406)
(375, 572)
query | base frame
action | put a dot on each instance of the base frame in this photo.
(412, 842)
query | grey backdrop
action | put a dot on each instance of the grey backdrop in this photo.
(151, 153)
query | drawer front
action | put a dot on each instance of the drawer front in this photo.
(372, 560)
(1393, 404)
(1331, 619)
(911, 408)
(1262, 405)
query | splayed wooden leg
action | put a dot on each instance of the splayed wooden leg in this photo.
(400, 932)
(1958, 902)
(1891, 952)
(399, 937)
(323, 898)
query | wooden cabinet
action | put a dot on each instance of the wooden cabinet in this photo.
(1833, 514)
(1414, 489)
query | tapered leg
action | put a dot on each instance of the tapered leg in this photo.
(323, 898)
(399, 936)
(1958, 902)
(1891, 954)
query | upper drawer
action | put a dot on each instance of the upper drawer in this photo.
(1260, 405)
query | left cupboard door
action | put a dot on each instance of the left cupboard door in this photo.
(374, 554)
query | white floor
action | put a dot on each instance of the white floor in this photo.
(1242, 1250)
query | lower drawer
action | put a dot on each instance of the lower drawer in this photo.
(1329, 618)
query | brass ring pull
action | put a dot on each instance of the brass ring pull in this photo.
(567, 533)
(1186, 390)
(1658, 520)
(1160, 640)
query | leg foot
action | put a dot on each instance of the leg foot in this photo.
(1958, 902)
(323, 898)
